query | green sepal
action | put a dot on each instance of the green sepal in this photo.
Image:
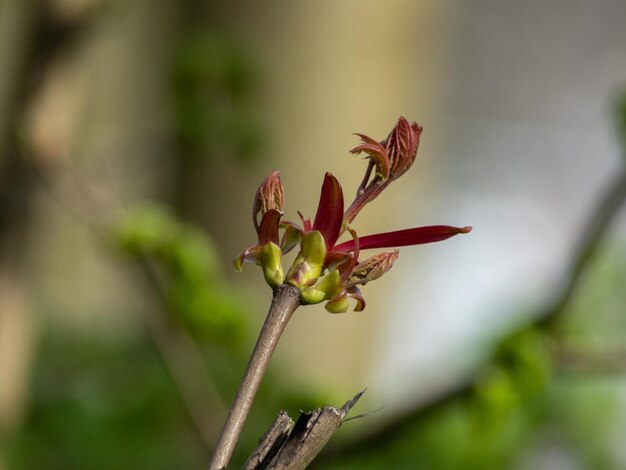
(238, 264)
(300, 274)
(270, 262)
(252, 254)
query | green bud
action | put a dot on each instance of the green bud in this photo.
(329, 287)
(311, 295)
(269, 196)
(372, 268)
(270, 262)
(300, 274)
(309, 263)
(337, 305)
(313, 248)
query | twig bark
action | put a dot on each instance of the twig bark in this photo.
(271, 442)
(286, 446)
(285, 301)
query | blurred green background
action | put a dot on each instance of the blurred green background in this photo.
(133, 135)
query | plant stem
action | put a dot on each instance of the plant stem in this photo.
(285, 301)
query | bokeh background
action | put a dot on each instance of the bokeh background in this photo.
(133, 135)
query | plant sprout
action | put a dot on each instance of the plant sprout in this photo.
(323, 270)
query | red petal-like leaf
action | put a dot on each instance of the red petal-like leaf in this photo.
(411, 236)
(329, 216)
(366, 140)
(335, 259)
(268, 229)
(377, 152)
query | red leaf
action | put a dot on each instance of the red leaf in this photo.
(411, 236)
(329, 216)
(268, 229)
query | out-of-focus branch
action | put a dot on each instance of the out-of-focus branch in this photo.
(24, 57)
(592, 236)
(198, 392)
(593, 233)
(184, 361)
(179, 353)
(591, 361)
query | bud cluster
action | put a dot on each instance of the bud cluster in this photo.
(391, 158)
(324, 271)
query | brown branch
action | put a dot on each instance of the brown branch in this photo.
(293, 447)
(285, 301)
(187, 369)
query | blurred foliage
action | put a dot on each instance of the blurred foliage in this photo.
(583, 414)
(482, 430)
(509, 395)
(102, 403)
(213, 85)
(521, 400)
(107, 402)
(596, 318)
(584, 405)
(188, 265)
